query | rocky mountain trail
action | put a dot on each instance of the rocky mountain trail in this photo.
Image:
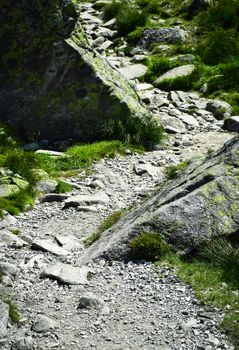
(109, 304)
(133, 305)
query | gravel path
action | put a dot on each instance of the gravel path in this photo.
(122, 306)
(119, 306)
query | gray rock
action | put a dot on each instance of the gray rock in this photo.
(7, 220)
(177, 72)
(8, 190)
(4, 317)
(46, 186)
(89, 301)
(171, 124)
(232, 124)
(133, 71)
(47, 246)
(70, 243)
(188, 119)
(86, 209)
(8, 268)
(186, 58)
(159, 101)
(152, 170)
(43, 324)
(200, 204)
(220, 109)
(157, 35)
(23, 343)
(54, 197)
(81, 199)
(8, 239)
(67, 274)
(143, 87)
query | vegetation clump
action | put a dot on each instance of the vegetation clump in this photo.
(148, 246)
(173, 170)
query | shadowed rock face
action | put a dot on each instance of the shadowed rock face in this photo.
(53, 85)
(200, 204)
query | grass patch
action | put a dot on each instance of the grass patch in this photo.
(18, 203)
(148, 246)
(137, 131)
(14, 314)
(213, 274)
(92, 238)
(105, 225)
(63, 187)
(172, 171)
(158, 65)
(128, 16)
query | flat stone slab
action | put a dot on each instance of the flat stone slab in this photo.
(52, 153)
(54, 197)
(177, 72)
(82, 199)
(188, 119)
(8, 239)
(133, 71)
(152, 170)
(8, 268)
(48, 246)
(67, 274)
(70, 243)
(143, 87)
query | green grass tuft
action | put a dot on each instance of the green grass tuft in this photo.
(63, 187)
(14, 314)
(105, 225)
(173, 170)
(148, 246)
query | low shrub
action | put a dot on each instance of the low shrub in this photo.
(148, 246)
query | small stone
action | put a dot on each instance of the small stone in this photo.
(43, 324)
(89, 301)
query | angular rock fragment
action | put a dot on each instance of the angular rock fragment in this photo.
(48, 246)
(67, 274)
(79, 200)
(8, 239)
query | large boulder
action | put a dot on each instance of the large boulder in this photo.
(162, 35)
(202, 203)
(54, 86)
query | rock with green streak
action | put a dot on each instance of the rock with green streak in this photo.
(54, 86)
(8, 190)
(201, 204)
(22, 184)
